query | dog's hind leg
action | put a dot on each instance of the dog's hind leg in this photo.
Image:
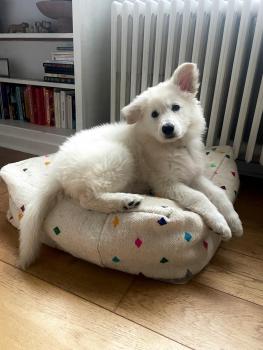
(219, 198)
(111, 202)
(196, 201)
(108, 176)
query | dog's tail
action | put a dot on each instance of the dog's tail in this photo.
(34, 215)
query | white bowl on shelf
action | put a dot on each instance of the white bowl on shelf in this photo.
(61, 11)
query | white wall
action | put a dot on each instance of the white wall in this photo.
(17, 11)
(92, 53)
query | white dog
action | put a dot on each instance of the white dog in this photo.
(160, 148)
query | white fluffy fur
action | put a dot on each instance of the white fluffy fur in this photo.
(105, 166)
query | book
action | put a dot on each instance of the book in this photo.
(34, 105)
(27, 107)
(60, 64)
(4, 101)
(63, 109)
(62, 56)
(29, 104)
(22, 89)
(1, 107)
(69, 110)
(20, 104)
(12, 104)
(56, 70)
(73, 112)
(40, 106)
(59, 80)
(65, 46)
(59, 67)
(59, 75)
(49, 106)
(57, 108)
(62, 52)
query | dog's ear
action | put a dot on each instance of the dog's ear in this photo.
(186, 77)
(133, 112)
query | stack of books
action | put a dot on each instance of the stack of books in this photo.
(63, 53)
(38, 105)
(60, 69)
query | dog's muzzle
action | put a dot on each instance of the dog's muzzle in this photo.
(168, 130)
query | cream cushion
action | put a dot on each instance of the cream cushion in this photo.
(172, 247)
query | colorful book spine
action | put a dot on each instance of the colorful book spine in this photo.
(65, 48)
(58, 67)
(69, 110)
(49, 106)
(62, 56)
(27, 107)
(73, 113)
(59, 64)
(29, 103)
(57, 108)
(14, 102)
(19, 103)
(4, 100)
(59, 80)
(22, 89)
(59, 75)
(63, 109)
(1, 106)
(10, 103)
(40, 106)
(59, 71)
(8, 94)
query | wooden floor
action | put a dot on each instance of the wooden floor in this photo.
(65, 303)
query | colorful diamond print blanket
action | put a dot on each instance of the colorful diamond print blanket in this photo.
(172, 247)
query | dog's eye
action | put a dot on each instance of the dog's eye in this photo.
(155, 114)
(175, 108)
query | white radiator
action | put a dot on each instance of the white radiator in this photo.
(225, 38)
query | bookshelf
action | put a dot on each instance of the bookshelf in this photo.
(32, 49)
(26, 53)
(37, 83)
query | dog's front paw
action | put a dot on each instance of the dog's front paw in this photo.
(235, 224)
(131, 201)
(164, 210)
(219, 225)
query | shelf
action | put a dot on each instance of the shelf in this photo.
(36, 36)
(31, 138)
(37, 83)
(35, 127)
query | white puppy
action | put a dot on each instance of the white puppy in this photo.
(160, 148)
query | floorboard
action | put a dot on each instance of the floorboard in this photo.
(235, 274)
(194, 315)
(36, 315)
(101, 286)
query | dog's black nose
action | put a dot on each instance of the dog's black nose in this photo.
(168, 130)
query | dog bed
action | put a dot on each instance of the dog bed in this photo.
(158, 240)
